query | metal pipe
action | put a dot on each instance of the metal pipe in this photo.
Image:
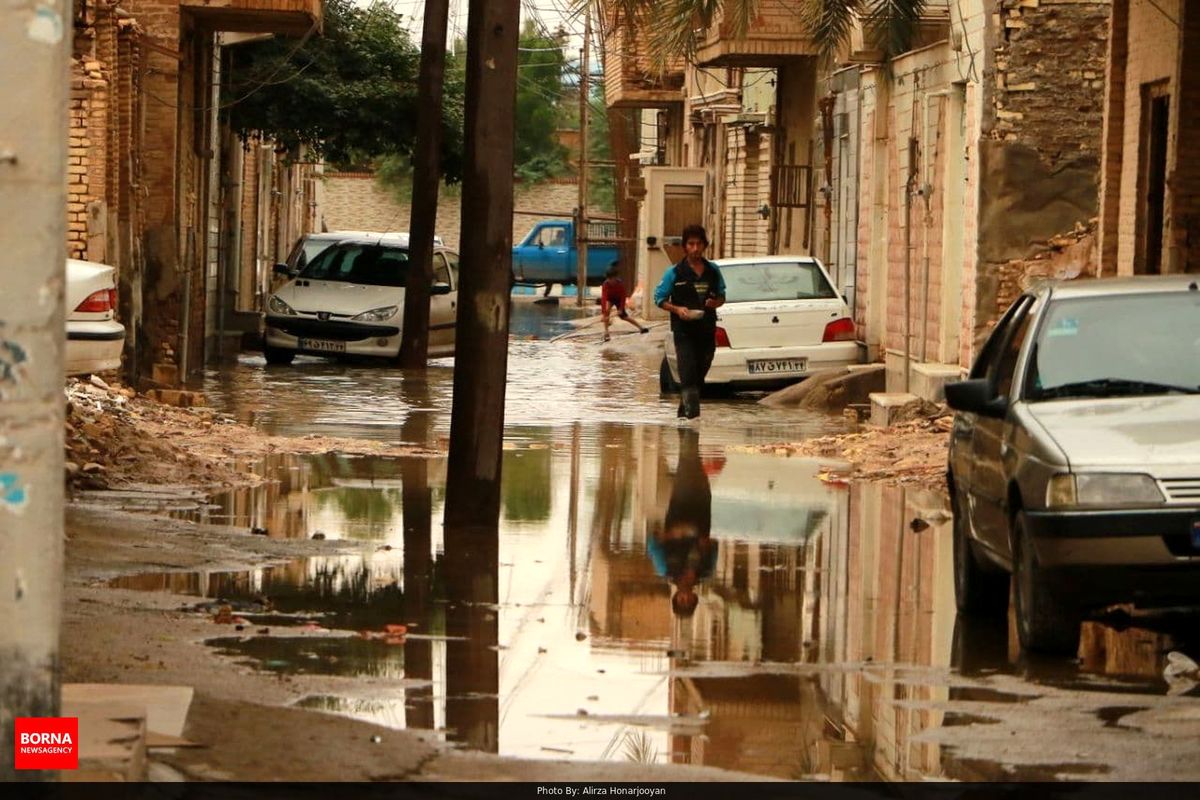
(908, 193)
(928, 154)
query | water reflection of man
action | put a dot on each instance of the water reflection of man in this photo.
(682, 549)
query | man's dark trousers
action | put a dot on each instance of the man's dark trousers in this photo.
(694, 355)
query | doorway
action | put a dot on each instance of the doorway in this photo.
(1152, 177)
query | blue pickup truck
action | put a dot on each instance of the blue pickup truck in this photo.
(547, 254)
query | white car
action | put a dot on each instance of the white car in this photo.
(349, 300)
(782, 320)
(94, 338)
(310, 245)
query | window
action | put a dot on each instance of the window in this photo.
(370, 265)
(1117, 346)
(775, 281)
(552, 236)
(441, 271)
(1007, 366)
(990, 352)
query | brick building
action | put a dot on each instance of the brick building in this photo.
(1150, 200)
(935, 184)
(158, 186)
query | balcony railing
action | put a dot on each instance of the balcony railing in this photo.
(631, 78)
(294, 17)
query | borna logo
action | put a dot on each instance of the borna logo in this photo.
(46, 743)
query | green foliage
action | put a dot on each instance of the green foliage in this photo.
(540, 64)
(350, 94)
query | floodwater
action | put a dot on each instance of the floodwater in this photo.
(656, 593)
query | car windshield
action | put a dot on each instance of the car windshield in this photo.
(313, 248)
(1118, 346)
(367, 264)
(775, 281)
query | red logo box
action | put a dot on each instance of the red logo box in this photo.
(46, 743)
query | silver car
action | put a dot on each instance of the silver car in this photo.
(1075, 456)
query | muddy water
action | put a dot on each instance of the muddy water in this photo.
(655, 594)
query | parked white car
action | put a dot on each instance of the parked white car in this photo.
(782, 320)
(310, 245)
(94, 338)
(349, 300)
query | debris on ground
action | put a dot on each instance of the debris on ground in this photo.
(911, 453)
(116, 438)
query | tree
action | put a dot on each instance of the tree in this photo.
(540, 66)
(673, 27)
(349, 94)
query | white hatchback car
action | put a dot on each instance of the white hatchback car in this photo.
(94, 338)
(782, 320)
(349, 300)
(310, 245)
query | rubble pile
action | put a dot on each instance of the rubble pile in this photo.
(115, 438)
(911, 453)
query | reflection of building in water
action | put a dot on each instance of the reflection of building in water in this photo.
(888, 599)
(761, 601)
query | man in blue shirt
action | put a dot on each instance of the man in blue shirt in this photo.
(691, 292)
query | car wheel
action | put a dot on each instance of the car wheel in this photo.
(277, 357)
(666, 382)
(977, 590)
(1047, 621)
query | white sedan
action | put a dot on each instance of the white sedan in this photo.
(781, 321)
(94, 338)
(348, 300)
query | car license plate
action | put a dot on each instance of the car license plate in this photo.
(1196, 534)
(322, 346)
(773, 366)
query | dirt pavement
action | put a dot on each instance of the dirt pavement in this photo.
(910, 453)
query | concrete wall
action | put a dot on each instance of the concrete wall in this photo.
(355, 201)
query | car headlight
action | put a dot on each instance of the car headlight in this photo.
(377, 314)
(277, 305)
(1107, 489)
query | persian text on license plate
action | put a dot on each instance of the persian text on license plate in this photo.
(322, 346)
(780, 366)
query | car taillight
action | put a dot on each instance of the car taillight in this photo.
(722, 338)
(99, 302)
(840, 330)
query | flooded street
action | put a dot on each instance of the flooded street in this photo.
(663, 597)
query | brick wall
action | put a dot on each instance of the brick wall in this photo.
(1040, 144)
(1184, 179)
(356, 201)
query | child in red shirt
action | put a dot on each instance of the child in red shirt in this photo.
(613, 295)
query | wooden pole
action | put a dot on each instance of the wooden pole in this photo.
(481, 360)
(581, 217)
(427, 174)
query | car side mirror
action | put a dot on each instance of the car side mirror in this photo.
(283, 269)
(976, 397)
(439, 288)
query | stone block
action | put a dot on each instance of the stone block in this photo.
(929, 380)
(885, 406)
(177, 398)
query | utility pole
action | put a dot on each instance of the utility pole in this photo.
(427, 173)
(481, 359)
(35, 49)
(581, 217)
